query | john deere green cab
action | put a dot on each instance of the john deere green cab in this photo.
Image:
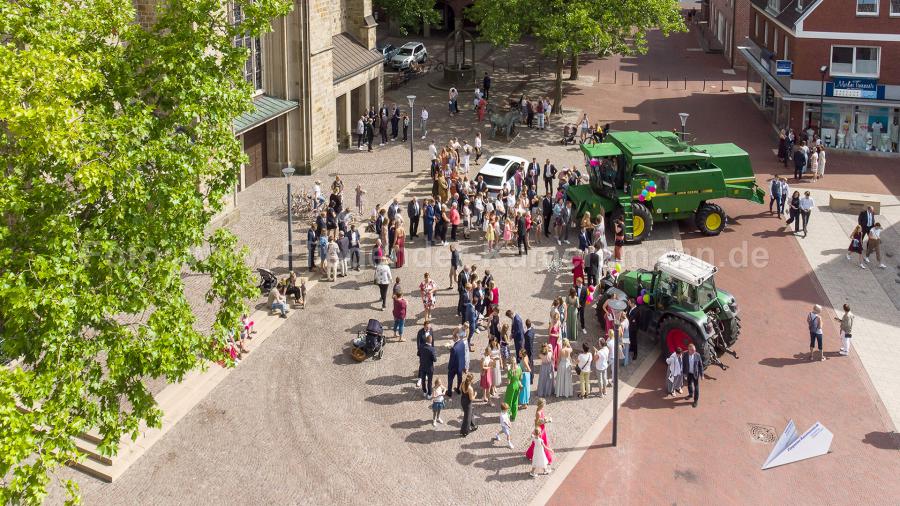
(687, 178)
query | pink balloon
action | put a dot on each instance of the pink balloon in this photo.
(641, 198)
(639, 300)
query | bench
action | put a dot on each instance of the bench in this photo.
(853, 205)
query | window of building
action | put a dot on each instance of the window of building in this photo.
(774, 5)
(756, 25)
(855, 61)
(253, 66)
(895, 7)
(786, 57)
(766, 33)
(867, 7)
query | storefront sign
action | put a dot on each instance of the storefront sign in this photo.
(784, 68)
(855, 87)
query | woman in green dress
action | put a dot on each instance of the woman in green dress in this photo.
(514, 378)
(572, 316)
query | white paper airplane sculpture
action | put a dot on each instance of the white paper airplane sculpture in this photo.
(791, 447)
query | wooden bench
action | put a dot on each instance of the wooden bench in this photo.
(853, 205)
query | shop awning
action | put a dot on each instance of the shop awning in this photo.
(747, 54)
(265, 109)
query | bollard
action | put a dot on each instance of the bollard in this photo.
(615, 76)
(722, 88)
(667, 81)
(704, 84)
(685, 83)
(539, 68)
(632, 78)
(650, 81)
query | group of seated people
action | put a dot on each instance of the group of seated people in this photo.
(570, 131)
(285, 288)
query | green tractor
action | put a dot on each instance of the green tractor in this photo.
(683, 306)
(686, 179)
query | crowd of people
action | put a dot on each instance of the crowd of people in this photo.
(806, 152)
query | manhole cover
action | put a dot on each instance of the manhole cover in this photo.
(762, 433)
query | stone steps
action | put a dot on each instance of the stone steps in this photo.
(175, 401)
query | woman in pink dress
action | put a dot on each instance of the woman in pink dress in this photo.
(399, 244)
(495, 295)
(482, 106)
(540, 422)
(427, 289)
(507, 233)
(577, 269)
(554, 337)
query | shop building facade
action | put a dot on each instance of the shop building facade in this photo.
(829, 68)
(727, 23)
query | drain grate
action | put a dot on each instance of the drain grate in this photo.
(762, 433)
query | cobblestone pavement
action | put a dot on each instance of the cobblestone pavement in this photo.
(300, 422)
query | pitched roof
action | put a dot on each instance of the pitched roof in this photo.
(265, 108)
(788, 15)
(351, 57)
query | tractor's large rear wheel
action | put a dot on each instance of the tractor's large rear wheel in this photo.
(642, 223)
(677, 333)
(710, 219)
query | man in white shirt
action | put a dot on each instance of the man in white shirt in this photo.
(806, 206)
(424, 122)
(360, 132)
(466, 151)
(477, 147)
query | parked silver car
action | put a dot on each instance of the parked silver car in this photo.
(408, 53)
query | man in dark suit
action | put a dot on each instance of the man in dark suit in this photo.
(369, 132)
(414, 212)
(518, 331)
(692, 366)
(427, 358)
(592, 266)
(353, 237)
(866, 220)
(462, 279)
(799, 162)
(547, 211)
(312, 242)
(529, 343)
(581, 296)
(549, 176)
(424, 332)
(393, 210)
(480, 185)
(521, 233)
(456, 366)
(429, 223)
(486, 84)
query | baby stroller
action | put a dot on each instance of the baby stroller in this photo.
(369, 342)
(267, 281)
(568, 135)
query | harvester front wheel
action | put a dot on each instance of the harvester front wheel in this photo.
(642, 223)
(710, 219)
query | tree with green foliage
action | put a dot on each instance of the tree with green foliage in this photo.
(410, 14)
(572, 27)
(117, 150)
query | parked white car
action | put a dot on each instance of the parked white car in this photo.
(409, 53)
(499, 170)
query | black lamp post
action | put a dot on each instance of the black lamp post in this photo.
(823, 70)
(683, 116)
(412, 128)
(288, 172)
(617, 306)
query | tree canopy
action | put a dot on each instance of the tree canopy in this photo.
(410, 13)
(117, 150)
(576, 26)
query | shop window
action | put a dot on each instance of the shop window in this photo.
(866, 7)
(854, 61)
(253, 65)
(895, 7)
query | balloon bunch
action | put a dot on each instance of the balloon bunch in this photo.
(643, 298)
(648, 192)
(616, 269)
(590, 294)
(594, 162)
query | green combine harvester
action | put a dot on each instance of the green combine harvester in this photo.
(686, 180)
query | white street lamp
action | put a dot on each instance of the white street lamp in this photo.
(288, 172)
(412, 128)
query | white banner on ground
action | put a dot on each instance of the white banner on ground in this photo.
(791, 448)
